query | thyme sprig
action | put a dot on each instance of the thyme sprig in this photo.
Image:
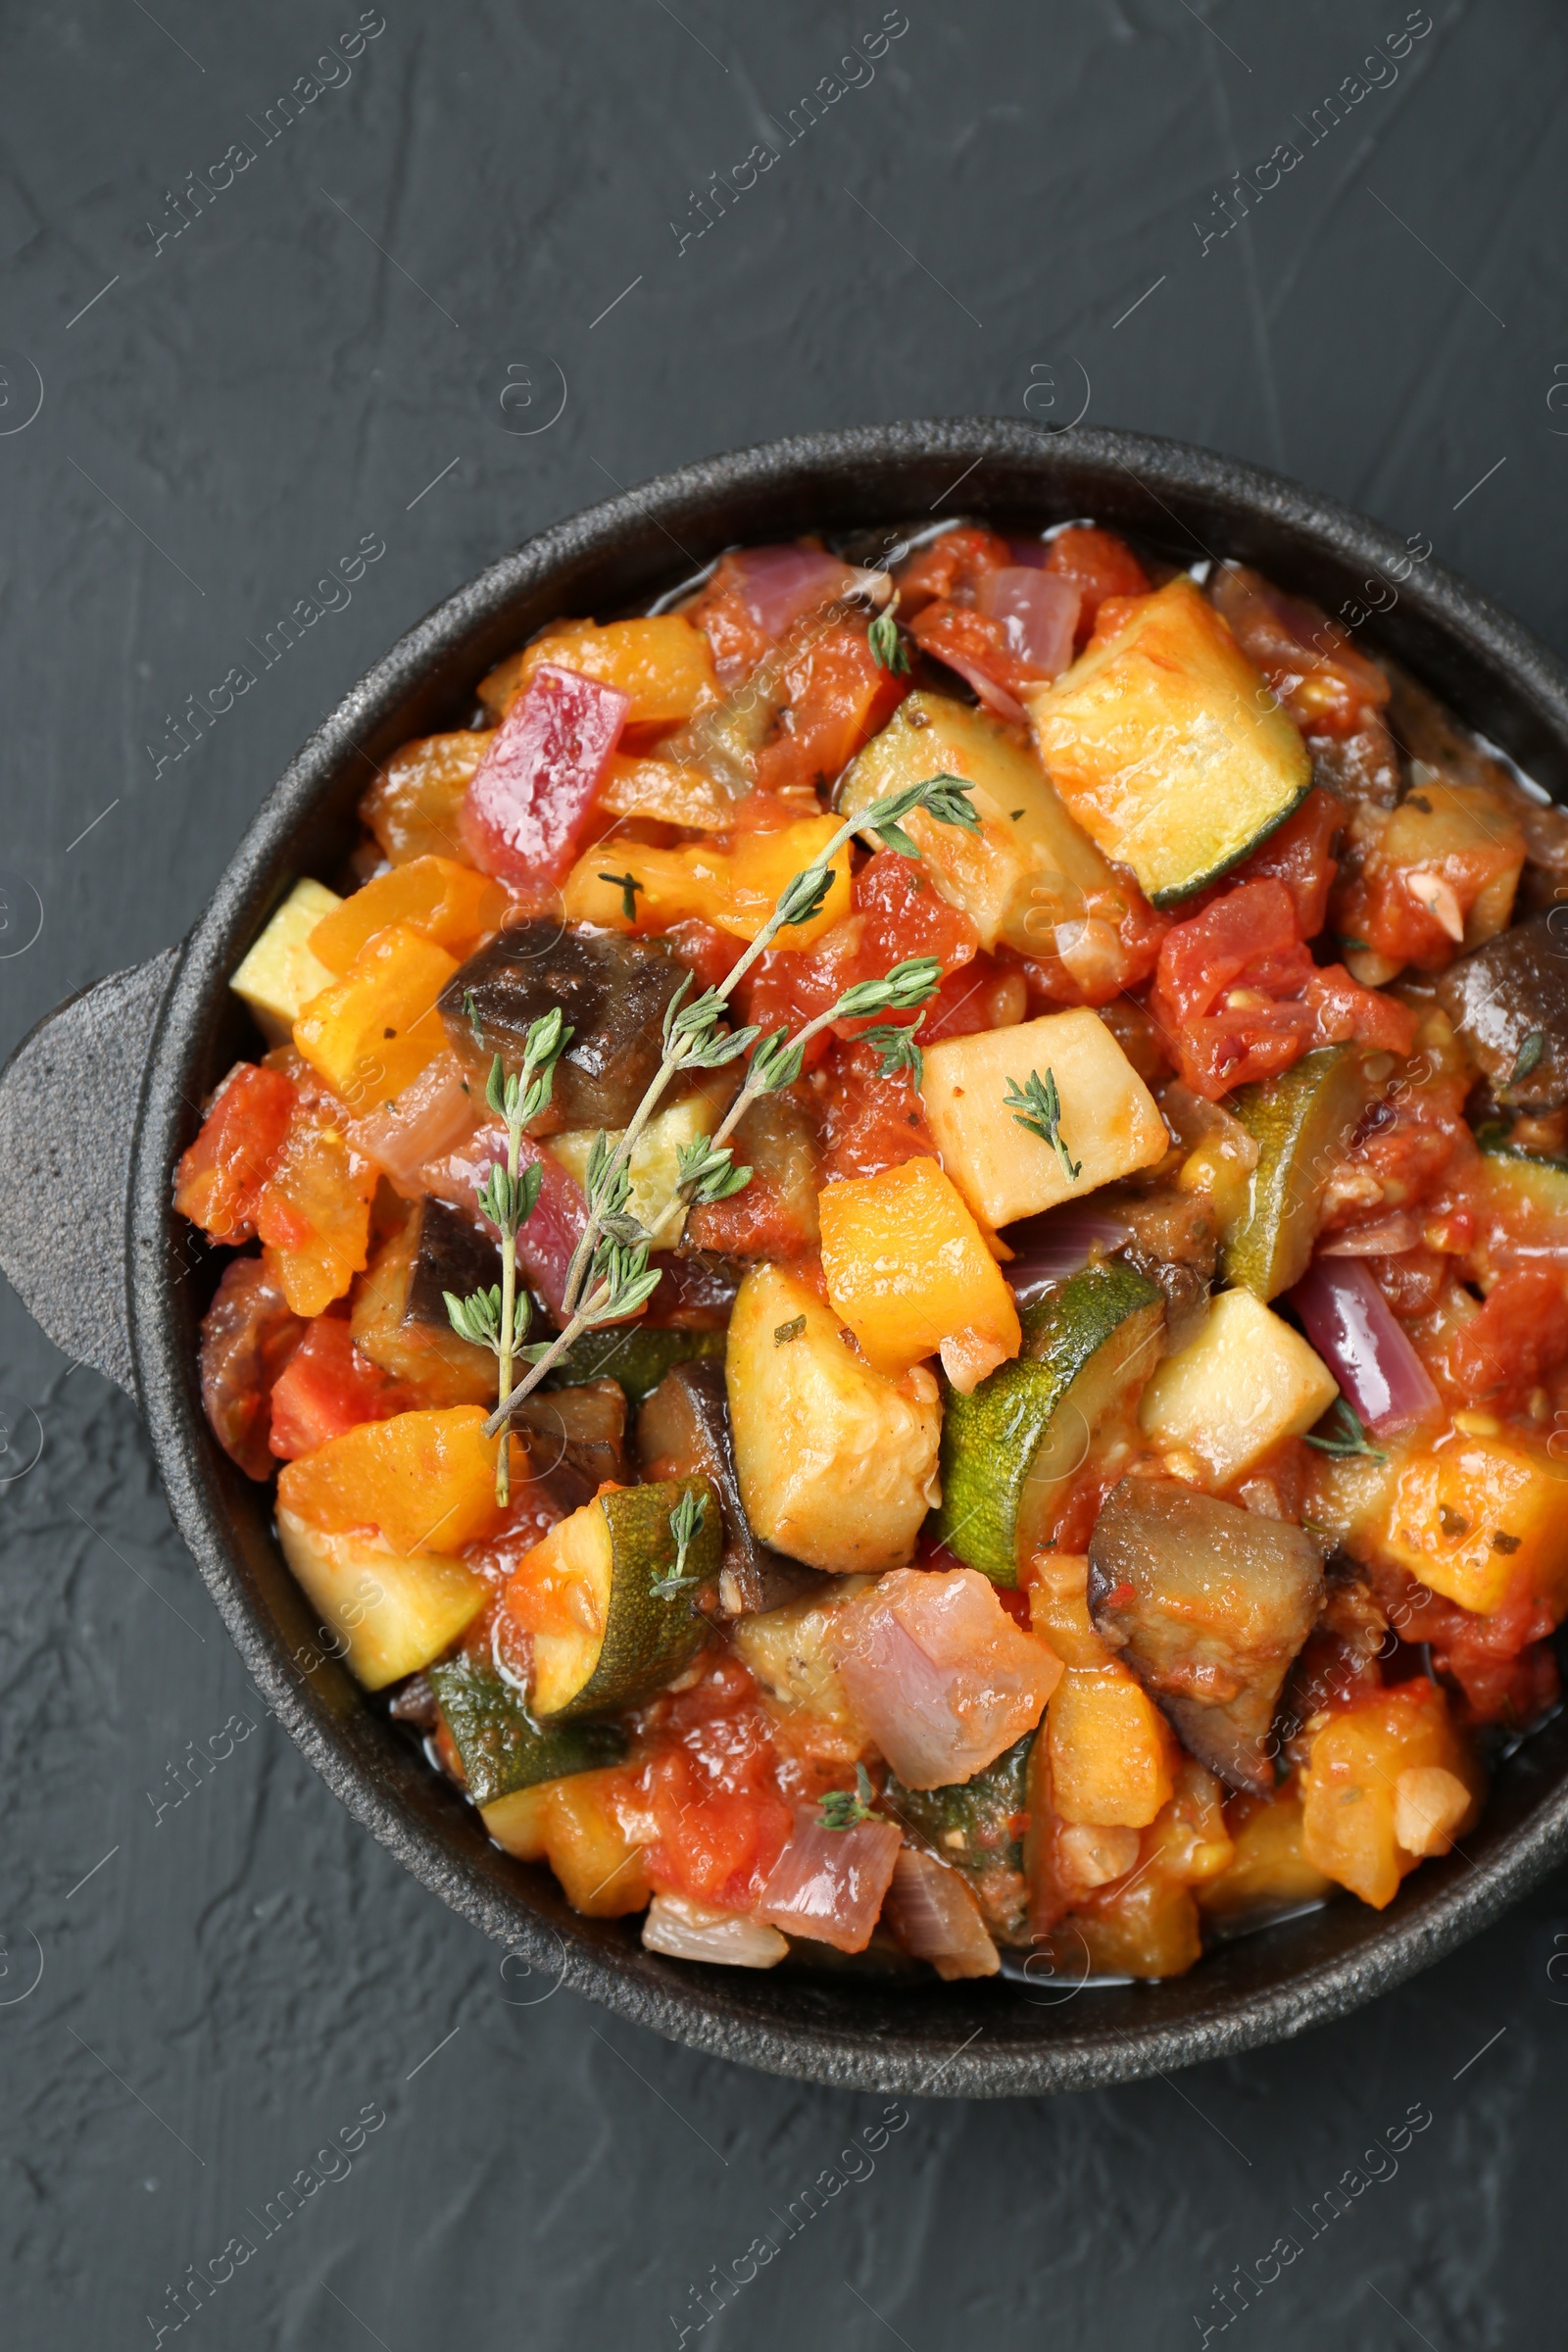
(685, 1524)
(610, 1277)
(498, 1318)
(1347, 1437)
(843, 1809)
(1037, 1107)
(888, 649)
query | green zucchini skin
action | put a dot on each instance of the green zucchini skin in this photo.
(502, 1748)
(647, 1637)
(1300, 1122)
(1221, 861)
(971, 1825)
(1089, 1334)
(1542, 1178)
(636, 1357)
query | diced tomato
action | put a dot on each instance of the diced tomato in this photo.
(967, 1000)
(713, 1791)
(220, 1176)
(532, 795)
(328, 1387)
(1112, 946)
(838, 700)
(1343, 1009)
(1099, 566)
(737, 637)
(1300, 854)
(248, 1335)
(314, 1211)
(1520, 1332)
(869, 1122)
(897, 915)
(1240, 997)
(904, 915)
(950, 565)
(1503, 1662)
(711, 955)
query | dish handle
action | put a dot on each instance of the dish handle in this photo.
(68, 1098)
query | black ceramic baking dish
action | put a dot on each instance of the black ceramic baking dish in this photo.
(146, 1046)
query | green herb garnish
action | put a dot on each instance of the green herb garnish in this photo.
(1037, 1107)
(1346, 1437)
(843, 1808)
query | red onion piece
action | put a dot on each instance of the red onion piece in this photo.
(1032, 553)
(1051, 1247)
(1356, 1333)
(829, 1883)
(783, 582)
(939, 1675)
(996, 697)
(933, 1915)
(1038, 611)
(432, 1117)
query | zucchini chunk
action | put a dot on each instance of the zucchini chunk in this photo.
(1029, 868)
(613, 993)
(1110, 1124)
(282, 971)
(400, 1319)
(1009, 1449)
(1300, 1122)
(1169, 748)
(609, 1626)
(632, 1353)
(837, 1463)
(977, 1827)
(1247, 1381)
(1512, 991)
(1532, 1178)
(395, 1612)
(684, 1432)
(1208, 1604)
(501, 1746)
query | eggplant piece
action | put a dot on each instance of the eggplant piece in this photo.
(774, 1216)
(613, 993)
(577, 1436)
(1210, 1604)
(1508, 1001)
(1173, 1242)
(683, 1431)
(400, 1319)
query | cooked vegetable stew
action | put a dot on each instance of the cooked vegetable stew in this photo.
(901, 1242)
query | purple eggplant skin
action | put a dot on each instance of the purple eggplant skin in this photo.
(684, 1428)
(1208, 1604)
(1509, 1002)
(612, 993)
(448, 1252)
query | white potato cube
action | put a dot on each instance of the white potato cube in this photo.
(279, 976)
(837, 1463)
(1109, 1123)
(1246, 1381)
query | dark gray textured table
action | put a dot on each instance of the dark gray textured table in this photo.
(363, 338)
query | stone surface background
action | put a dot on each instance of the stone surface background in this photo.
(343, 343)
